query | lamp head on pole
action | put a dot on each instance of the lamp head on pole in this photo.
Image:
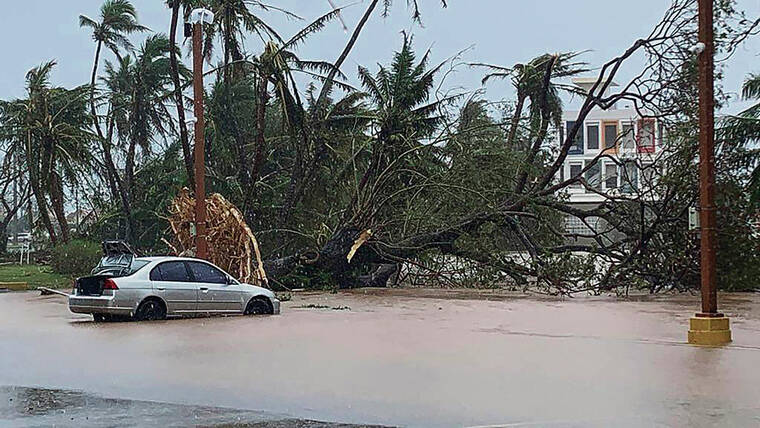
(201, 15)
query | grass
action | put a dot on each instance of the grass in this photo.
(35, 276)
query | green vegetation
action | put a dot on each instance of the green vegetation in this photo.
(35, 275)
(422, 183)
(75, 258)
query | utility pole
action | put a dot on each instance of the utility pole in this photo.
(197, 18)
(708, 327)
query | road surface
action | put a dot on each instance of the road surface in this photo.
(393, 357)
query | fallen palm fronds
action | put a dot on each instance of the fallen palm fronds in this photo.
(231, 244)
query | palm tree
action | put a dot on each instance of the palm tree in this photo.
(530, 83)
(744, 128)
(118, 19)
(276, 66)
(175, 6)
(138, 91)
(403, 118)
(48, 129)
(232, 19)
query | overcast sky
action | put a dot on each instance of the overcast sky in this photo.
(502, 32)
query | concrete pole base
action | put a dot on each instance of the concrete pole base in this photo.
(709, 331)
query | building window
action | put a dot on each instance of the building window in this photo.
(646, 136)
(610, 136)
(592, 135)
(575, 171)
(628, 139)
(610, 175)
(577, 147)
(594, 176)
(629, 180)
(576, 226)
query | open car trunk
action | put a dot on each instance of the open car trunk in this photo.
(91, 285)
(117, 261)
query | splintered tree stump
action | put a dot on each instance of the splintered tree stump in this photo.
(231, 244)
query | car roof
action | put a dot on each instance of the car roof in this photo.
(168, 258)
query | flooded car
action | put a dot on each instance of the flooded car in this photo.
(124, 285)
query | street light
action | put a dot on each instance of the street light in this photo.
(197, 18)
(708, 327)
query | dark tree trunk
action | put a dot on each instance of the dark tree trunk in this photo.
(57, 202)
(39, 197)
(261, 111)
(3, 238)
(178, 99)
(515, 120)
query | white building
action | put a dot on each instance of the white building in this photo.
(617, 148)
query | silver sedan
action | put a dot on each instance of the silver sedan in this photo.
(152, 288)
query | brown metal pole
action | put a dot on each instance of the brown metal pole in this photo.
(707, 162)
(200, 165)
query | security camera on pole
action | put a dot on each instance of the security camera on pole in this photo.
(197, 18)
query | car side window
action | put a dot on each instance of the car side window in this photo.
(171, 271)
(203, 272)
(155, 274)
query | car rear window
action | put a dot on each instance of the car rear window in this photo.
(136, 265)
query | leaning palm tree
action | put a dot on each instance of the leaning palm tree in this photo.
(118, 19)
(276, 66)
(48, 129)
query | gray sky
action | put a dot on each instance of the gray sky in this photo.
(502, 32)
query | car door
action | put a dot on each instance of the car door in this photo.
(214, 292)
(172, 281)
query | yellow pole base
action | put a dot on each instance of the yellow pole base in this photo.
(709, 331)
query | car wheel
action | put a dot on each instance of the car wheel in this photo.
(258, 306)
(150, 310)
(100, 318)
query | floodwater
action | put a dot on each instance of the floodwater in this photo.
(398, 357)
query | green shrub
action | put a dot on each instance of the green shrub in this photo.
(75, 258)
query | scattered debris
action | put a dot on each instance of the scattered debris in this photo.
(231, 244)
(45, 291)
(313, 306)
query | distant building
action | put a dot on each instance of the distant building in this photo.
(630, 142)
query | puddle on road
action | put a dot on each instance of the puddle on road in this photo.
(55, 407)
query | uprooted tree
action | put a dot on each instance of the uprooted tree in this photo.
(466, 198)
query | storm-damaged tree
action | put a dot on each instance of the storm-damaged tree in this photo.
(138, 91)
(118, 19)
(403, 174)
(48, 132)
(14, 192)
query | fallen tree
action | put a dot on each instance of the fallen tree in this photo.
(406, 182)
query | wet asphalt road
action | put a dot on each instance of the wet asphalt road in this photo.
(397, 357)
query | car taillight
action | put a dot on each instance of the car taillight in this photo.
(110, 284)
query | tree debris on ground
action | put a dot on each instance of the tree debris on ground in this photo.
(231, 244)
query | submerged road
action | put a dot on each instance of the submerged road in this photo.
(392, 357)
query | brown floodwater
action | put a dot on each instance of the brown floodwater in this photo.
(408, 357)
